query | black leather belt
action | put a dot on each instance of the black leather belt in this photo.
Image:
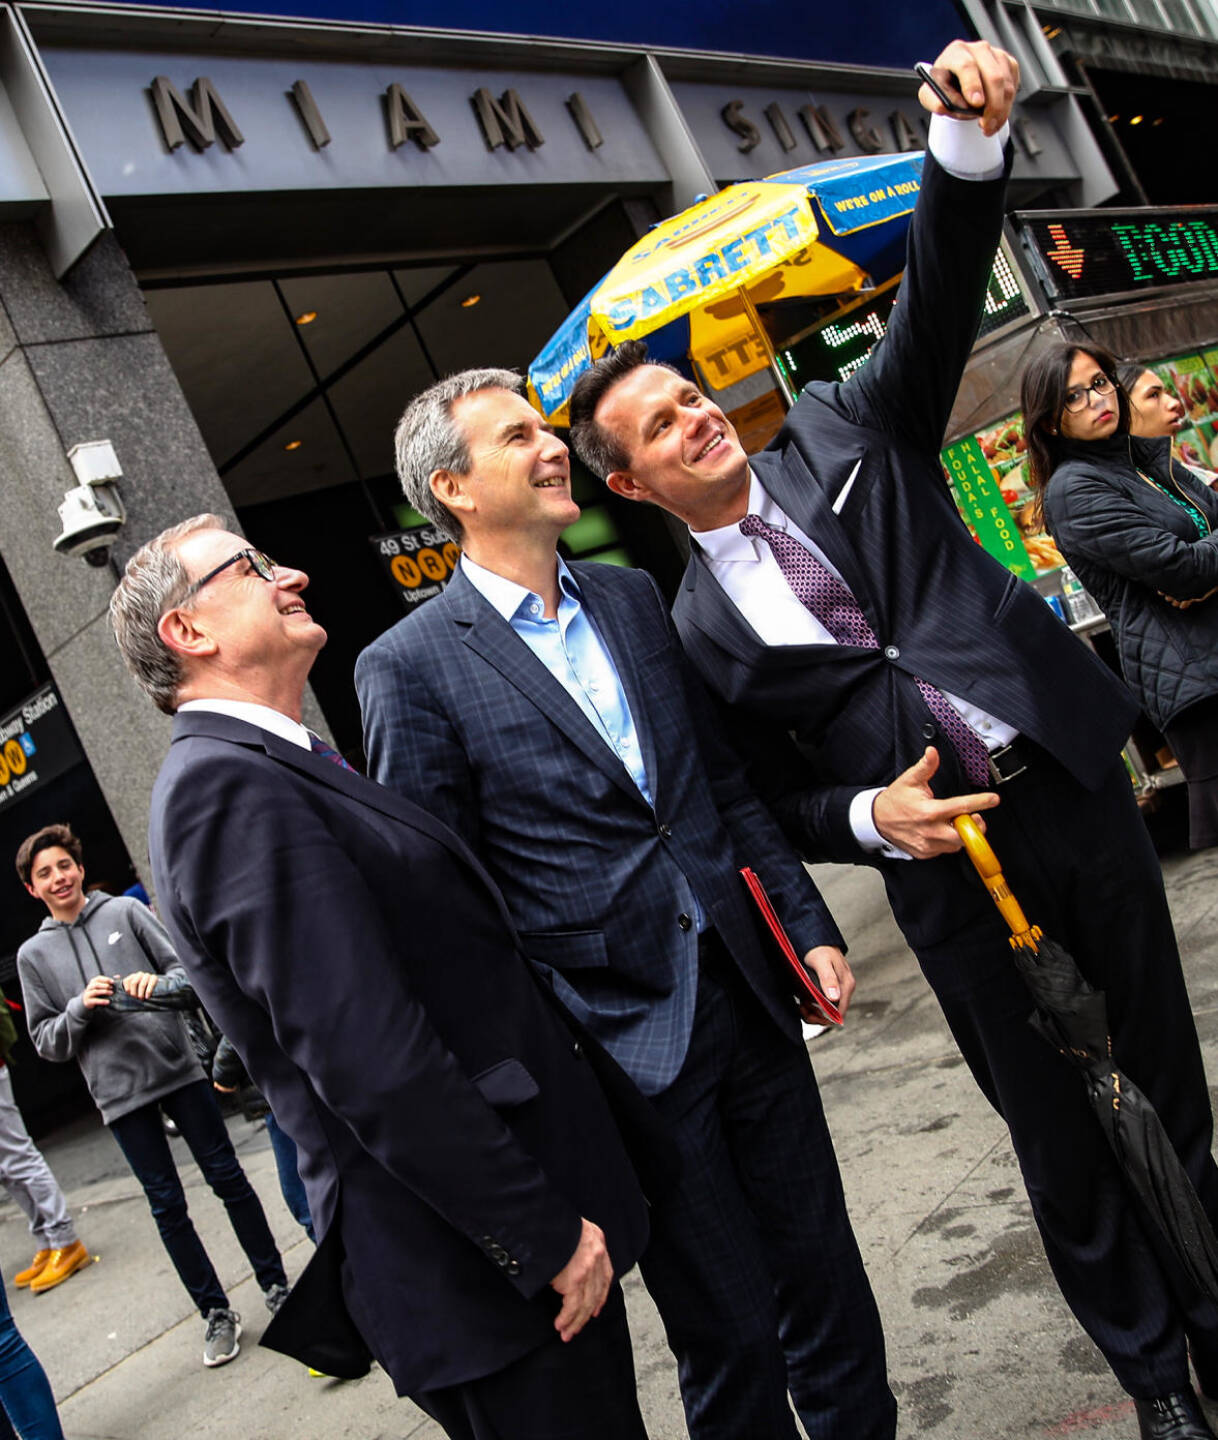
(1010, 761)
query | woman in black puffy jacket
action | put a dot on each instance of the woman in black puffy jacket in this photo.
(1138, 529)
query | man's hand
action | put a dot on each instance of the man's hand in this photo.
(140, 983)
(908, 816)
(833, 975)
(97, 992)
(583, 1282)
(984, 77)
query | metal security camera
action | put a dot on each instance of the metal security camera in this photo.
(92, 514)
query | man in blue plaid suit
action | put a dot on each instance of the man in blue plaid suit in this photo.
(546, 712)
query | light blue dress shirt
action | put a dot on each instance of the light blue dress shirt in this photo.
(571, 649)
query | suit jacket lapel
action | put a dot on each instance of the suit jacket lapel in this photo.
(355, 786)
(808, 500)
(706, 605)
(490, 636)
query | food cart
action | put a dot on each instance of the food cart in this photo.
(1142, 283)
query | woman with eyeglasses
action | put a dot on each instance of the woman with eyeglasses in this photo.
(1138, 529)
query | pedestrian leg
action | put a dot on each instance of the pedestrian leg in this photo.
(194, 1110)
(141, 1137)
(26, 1402)
(27, 1177)
(290, 1184)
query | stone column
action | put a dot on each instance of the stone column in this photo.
(79, 360)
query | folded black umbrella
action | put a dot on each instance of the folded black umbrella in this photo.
(1072, 1015)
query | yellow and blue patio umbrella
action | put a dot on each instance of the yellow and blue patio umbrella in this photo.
(692, 284)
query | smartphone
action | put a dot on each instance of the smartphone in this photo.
(926, 74)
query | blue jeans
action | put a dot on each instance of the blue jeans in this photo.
(27, 1407)
(290, 1183)
(141, 1137)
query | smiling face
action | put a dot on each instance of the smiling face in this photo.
(241, 634)
(519, 477)
(1156, 411)
(683, 453)
(1099, 414)
(59, 882)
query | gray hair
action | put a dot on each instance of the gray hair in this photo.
(155, 581)
(429, 439)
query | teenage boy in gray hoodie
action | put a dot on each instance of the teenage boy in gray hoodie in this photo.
(134, 1060)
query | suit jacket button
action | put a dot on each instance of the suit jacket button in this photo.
(928, 731)
(513, 1267)
(891, 652)
(577, 1050)
(685, 922)
(666, 832)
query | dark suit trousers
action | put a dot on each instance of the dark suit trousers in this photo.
(1083, 868)
(583, 1390)
(752, 1262)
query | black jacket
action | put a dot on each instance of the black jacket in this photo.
(1131, 545)
(942, 609)
(368, 974)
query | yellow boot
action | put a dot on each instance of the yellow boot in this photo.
(32, 1271)
(62, 1263)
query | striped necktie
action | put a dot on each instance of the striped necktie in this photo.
(832, 602)
(327, 752)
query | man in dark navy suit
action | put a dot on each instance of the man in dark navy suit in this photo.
(546, 712)
(471, 1192)
(833, 596)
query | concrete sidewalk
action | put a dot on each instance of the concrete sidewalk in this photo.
(980, 1343)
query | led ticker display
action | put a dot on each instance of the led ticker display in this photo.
(1089, 252)
(837, 347)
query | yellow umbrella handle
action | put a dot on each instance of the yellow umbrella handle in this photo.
(985, 862)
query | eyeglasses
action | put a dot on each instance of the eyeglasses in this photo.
(261, 565)
(1078, 397)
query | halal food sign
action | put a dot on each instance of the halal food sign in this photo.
(419, 561)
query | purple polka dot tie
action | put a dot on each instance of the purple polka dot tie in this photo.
(327, 752)
(819, 591)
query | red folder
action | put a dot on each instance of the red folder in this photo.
(803, 986)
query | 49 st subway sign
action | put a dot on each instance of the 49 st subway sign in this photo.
(201, 117)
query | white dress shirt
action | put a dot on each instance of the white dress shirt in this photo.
(253, 714)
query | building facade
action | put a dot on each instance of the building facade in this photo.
(235, 246)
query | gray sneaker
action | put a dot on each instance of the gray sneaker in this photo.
(220, 1345)
(275, 1295)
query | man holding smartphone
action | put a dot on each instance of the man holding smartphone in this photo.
(834, 597)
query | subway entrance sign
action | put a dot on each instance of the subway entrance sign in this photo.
(1079, 254)
(419, 561)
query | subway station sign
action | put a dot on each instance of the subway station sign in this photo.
(1084, 253)
(37, 743)
(419, 562)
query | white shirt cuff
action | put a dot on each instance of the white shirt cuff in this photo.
(963, 151)
(862, 827)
